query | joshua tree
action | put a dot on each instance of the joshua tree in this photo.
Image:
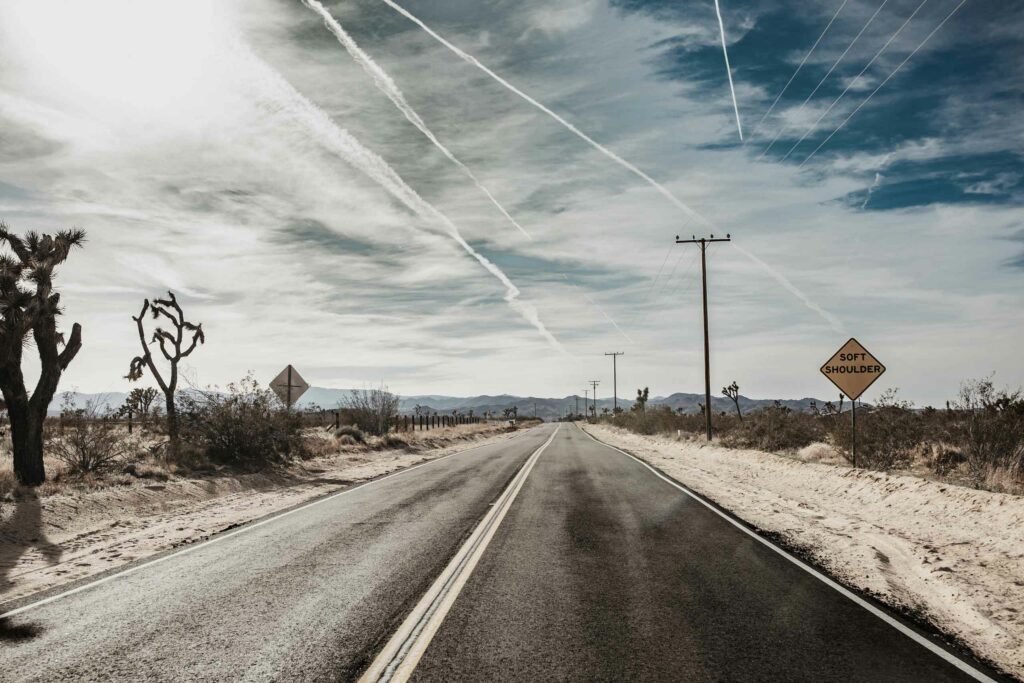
(172, 346)
(733, 391)
(28, 305)
(140, 401)
(641, 400)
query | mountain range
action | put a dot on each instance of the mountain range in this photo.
(546, 408)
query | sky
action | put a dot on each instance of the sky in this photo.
(238, 154)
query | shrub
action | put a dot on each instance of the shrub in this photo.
(353, 433)
(886, 433)
(245, 428)
(89, 440)
(775, 428)
(393, 441)
(373, 410)
(987, 425)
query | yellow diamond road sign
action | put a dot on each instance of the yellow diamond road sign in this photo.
(852, 369)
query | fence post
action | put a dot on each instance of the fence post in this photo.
(129, 420)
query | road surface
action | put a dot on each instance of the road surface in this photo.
(599, 571)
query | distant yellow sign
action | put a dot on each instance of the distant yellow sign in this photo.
(852, 369)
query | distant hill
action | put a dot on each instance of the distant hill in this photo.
(546, 408)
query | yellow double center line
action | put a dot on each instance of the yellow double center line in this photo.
(399, 658)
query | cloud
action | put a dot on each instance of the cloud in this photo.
(295, 256)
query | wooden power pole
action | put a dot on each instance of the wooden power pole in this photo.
(615, 379)
(704, 242)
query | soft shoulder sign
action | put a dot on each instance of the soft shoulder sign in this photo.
(853, 369)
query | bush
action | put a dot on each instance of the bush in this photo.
(374, 411)
(393, 441)
(774, 429)
(246, 427)
(353, 433)
(887, 433)
(89, 440)
(987, 425)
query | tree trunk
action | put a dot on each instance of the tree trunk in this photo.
(27, 442)
(172, 424)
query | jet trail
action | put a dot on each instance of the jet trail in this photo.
(387, 86)
(728, 70)
(833, 321)
(877, 181)
(342, 143)
(593, 143)
(824, 78)
(800, 66)
(568, 126)
(867, 66)
(880, 85)
(596, 306)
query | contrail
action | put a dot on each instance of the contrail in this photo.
(387, 86)
(824, 78)
(568, 126)
(880, 85)
(342, 143)
(728, 70)
(800, 66)
(867, 66)
(877, 181)
(781, 279)
(608, 318)
(595, 305)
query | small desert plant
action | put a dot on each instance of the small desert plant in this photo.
(89, 440)
(988, 427)
(353, 434)
(887, 433)
(373, 410)
(775, 428)
(245, 427)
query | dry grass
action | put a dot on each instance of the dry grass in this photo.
(147, 464)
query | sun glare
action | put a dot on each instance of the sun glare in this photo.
(116, 58)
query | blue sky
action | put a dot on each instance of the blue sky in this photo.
(236, 153)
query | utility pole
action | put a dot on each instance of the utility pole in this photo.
(586, 399)
(704, 242)
(594, 384)
(615, 379)
(577, 397)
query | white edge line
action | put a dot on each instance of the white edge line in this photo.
(223, 537)
(895, 623)
(417, 630)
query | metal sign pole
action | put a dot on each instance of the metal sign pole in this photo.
(853, 449)
(289, 402)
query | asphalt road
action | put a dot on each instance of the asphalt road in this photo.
(599, 571)
(603, 572)
(307, 597)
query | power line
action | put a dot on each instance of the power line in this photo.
(663, 262)
(824, 78)
(880, 85)
(814, 126)
(802, 62)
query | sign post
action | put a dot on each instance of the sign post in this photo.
(853, 369)
(289, 386)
